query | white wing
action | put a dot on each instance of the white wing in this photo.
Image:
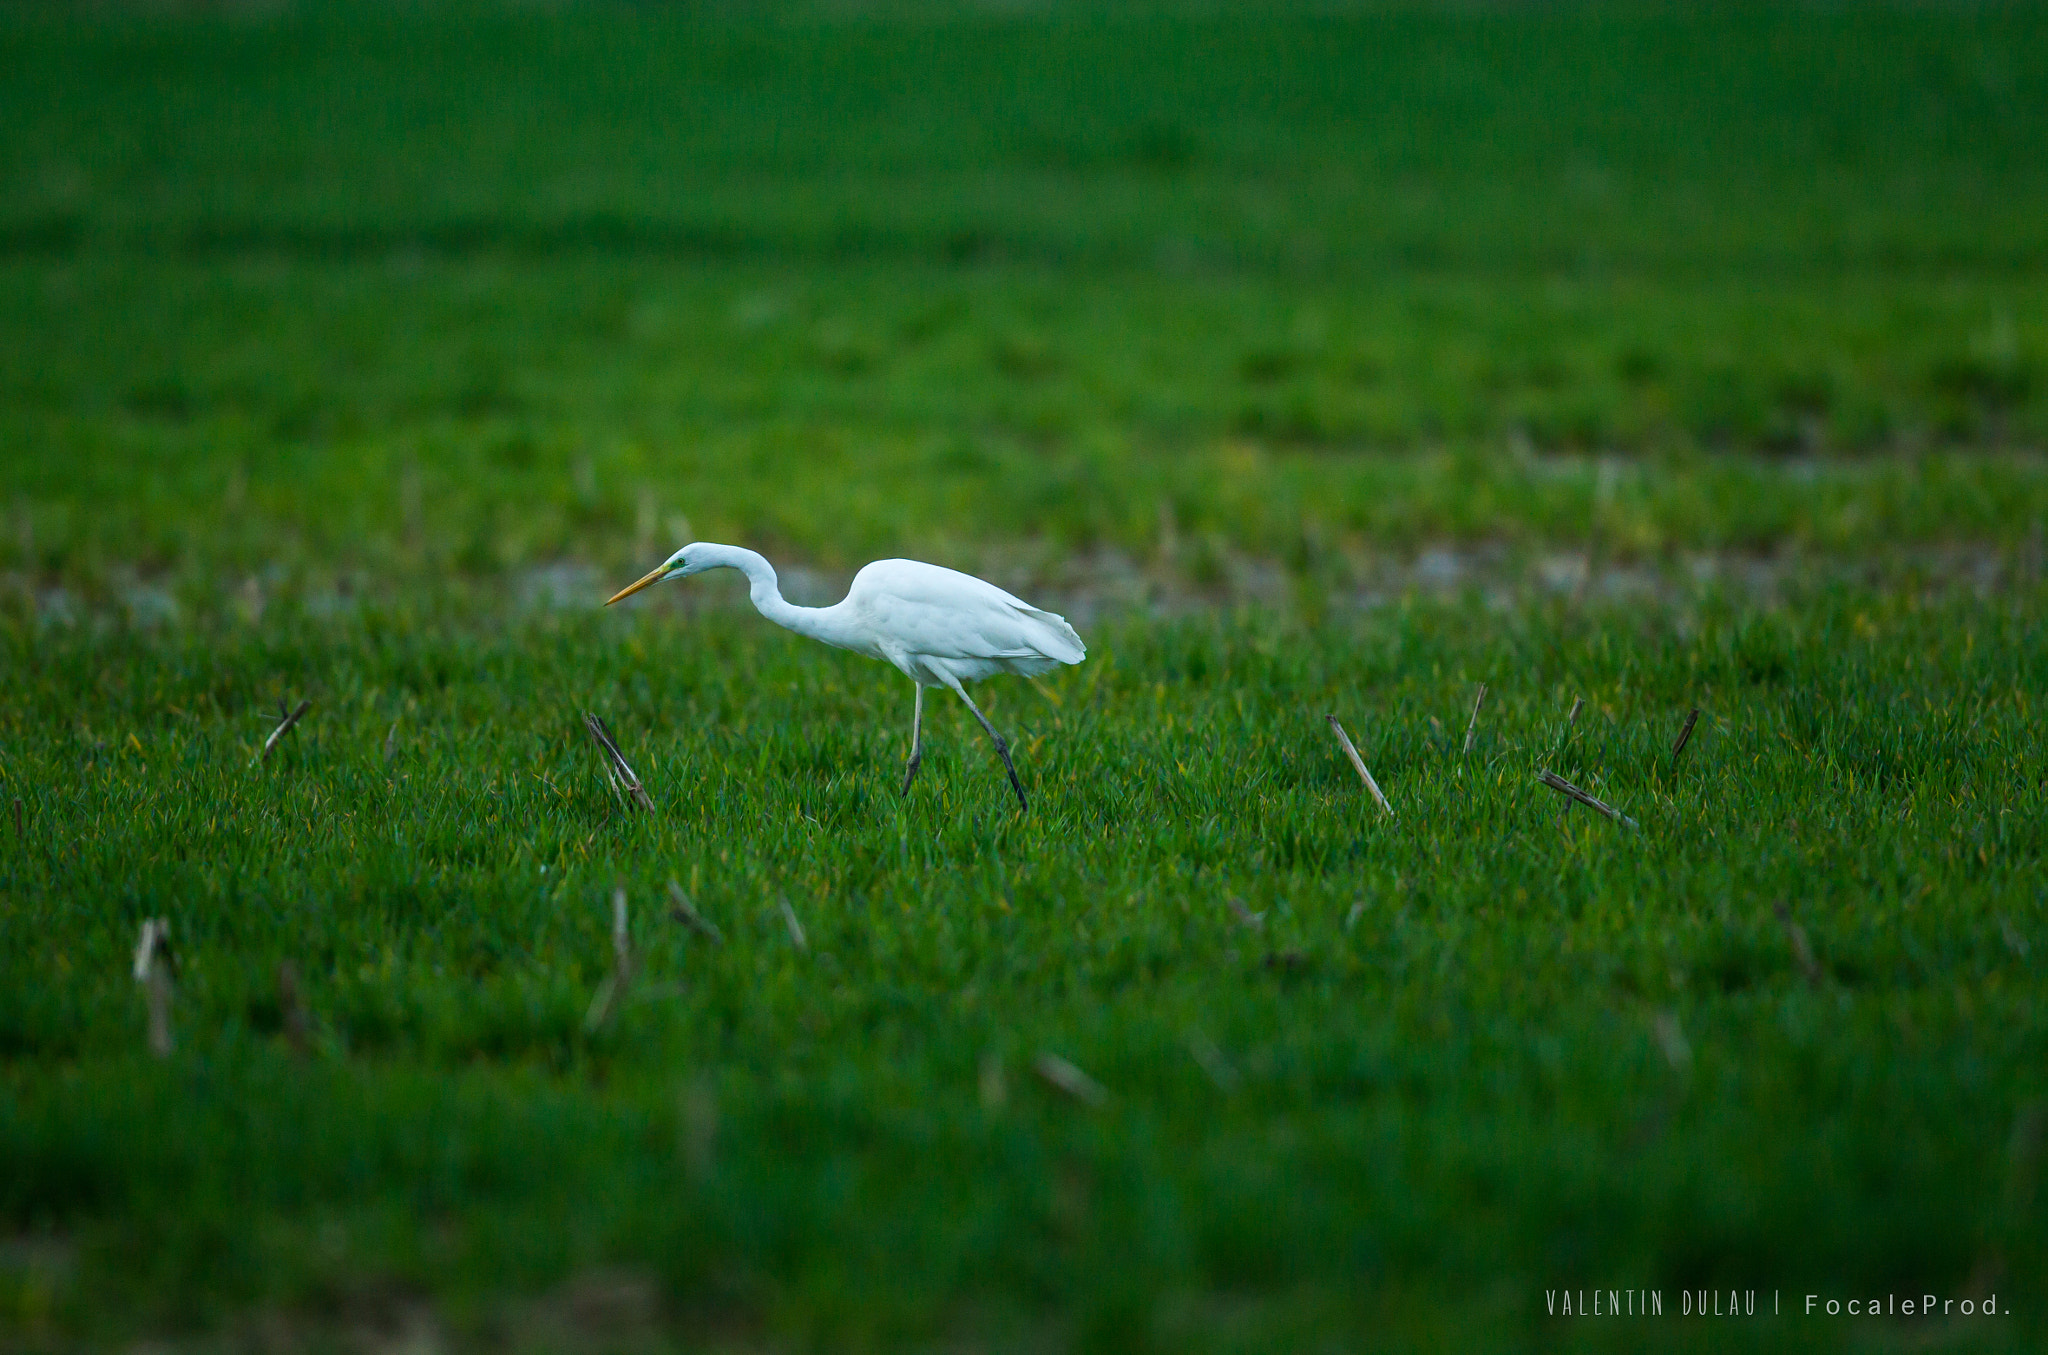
(918, 612)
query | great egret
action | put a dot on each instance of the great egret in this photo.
(940, 627)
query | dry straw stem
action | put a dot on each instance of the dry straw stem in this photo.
(1359, 763)
(283, 729)
(685, 912)
(2014, 942)
(152, 962)
(1802, 949)
(617, 770)
(622, 947)
(1244, 914)
(1685, 734)
(994, 1087)
(1211, 1061)
(614, 986)
(796, 929)
(1062, 1076)
(1472, 725)
(1671, 1039)
(1572, 792)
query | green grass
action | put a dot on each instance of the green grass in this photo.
(202, 422)
(329, 334)
(1445, 1088)
(872, 285)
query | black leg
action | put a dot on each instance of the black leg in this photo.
(916, 741)
(1002, 747)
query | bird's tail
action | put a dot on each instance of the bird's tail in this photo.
(1056, 639)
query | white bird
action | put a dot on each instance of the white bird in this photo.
(940, 627)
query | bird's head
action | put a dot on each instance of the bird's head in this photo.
(691, 559)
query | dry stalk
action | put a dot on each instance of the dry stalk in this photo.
(1572, 792)
(2014, 942)
(1472, 725)
(617, 770)
(152, 965)
(1802, 949)
(614, 986)
(993, 1086)
(283, 729)
(1064, 1077)
(1685, 734)
(685, 912)
(796, 929)
(1211, 1061)
(1359, 763)
(1244, 914)
(1671, 1039)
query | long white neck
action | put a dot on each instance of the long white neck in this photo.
(820, 623)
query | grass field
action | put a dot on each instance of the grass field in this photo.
(1314, 361)
(1436, 1083)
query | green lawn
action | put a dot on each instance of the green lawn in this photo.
(354, 353)
(379, 292)
(1436, 1083)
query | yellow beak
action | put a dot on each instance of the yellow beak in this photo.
(653, 576)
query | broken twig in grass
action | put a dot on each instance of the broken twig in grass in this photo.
(2014, 942)
(1671, 1039)
(283, 729)
(291, 1013)
(152, 971)
(796, 929)
(617, 770)
(993, 1086)
(614, 986)
(1211, 1061)
(1685, 734)
(1245, 915)
(1359, 763)
(1062, 1076)
(1572, 792)
(685, 912)
(1472, 725)
(1802, 949)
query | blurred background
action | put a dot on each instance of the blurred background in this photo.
(311, 299)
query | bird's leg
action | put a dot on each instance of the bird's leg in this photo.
(1001, 746)
(916, 743)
